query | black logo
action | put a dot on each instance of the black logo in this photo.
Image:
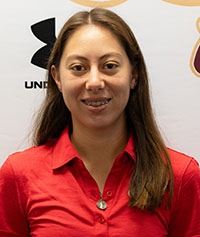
(45, 32)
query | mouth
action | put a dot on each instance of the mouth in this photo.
(96, 102)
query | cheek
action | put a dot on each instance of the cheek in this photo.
(123, 89)
(124, 96)
(69, 88)
(70, 92)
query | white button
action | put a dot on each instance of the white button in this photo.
(101, 204)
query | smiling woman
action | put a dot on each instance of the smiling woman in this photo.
(99, 166)
(95, 79)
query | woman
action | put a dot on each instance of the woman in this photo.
(100, 166)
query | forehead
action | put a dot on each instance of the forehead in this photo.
(93, 36)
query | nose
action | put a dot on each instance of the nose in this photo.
(95, 82)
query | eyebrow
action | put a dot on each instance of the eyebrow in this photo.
(79, 57)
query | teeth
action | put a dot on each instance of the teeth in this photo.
(96, 103)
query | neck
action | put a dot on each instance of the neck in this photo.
(99, 144)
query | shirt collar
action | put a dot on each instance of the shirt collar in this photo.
(130, 148)
(64, 151)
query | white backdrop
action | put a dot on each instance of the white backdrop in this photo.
(168, 35)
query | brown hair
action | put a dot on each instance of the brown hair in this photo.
(153, 175)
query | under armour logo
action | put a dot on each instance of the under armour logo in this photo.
(45, 32)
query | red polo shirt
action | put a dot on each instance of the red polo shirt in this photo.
(46, 191)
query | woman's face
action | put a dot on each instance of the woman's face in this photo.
(95, 77)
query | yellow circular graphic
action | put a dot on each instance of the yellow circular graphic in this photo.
(102, 4)
(184, 2)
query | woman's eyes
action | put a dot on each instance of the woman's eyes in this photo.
(107, 67)
(78, 68)
(110, 66)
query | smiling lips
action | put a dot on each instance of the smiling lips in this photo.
(96, 102)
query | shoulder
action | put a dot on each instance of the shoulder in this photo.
(28, 159)
(182, 163)
(186, 199)
(186, 173)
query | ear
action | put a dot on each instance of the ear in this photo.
(134, 80)
(56, 77)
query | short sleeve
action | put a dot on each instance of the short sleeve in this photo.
(12, 218)
(186, 218)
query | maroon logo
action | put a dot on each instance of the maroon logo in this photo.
(195, 58)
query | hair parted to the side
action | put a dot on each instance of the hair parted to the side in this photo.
(153, 175)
